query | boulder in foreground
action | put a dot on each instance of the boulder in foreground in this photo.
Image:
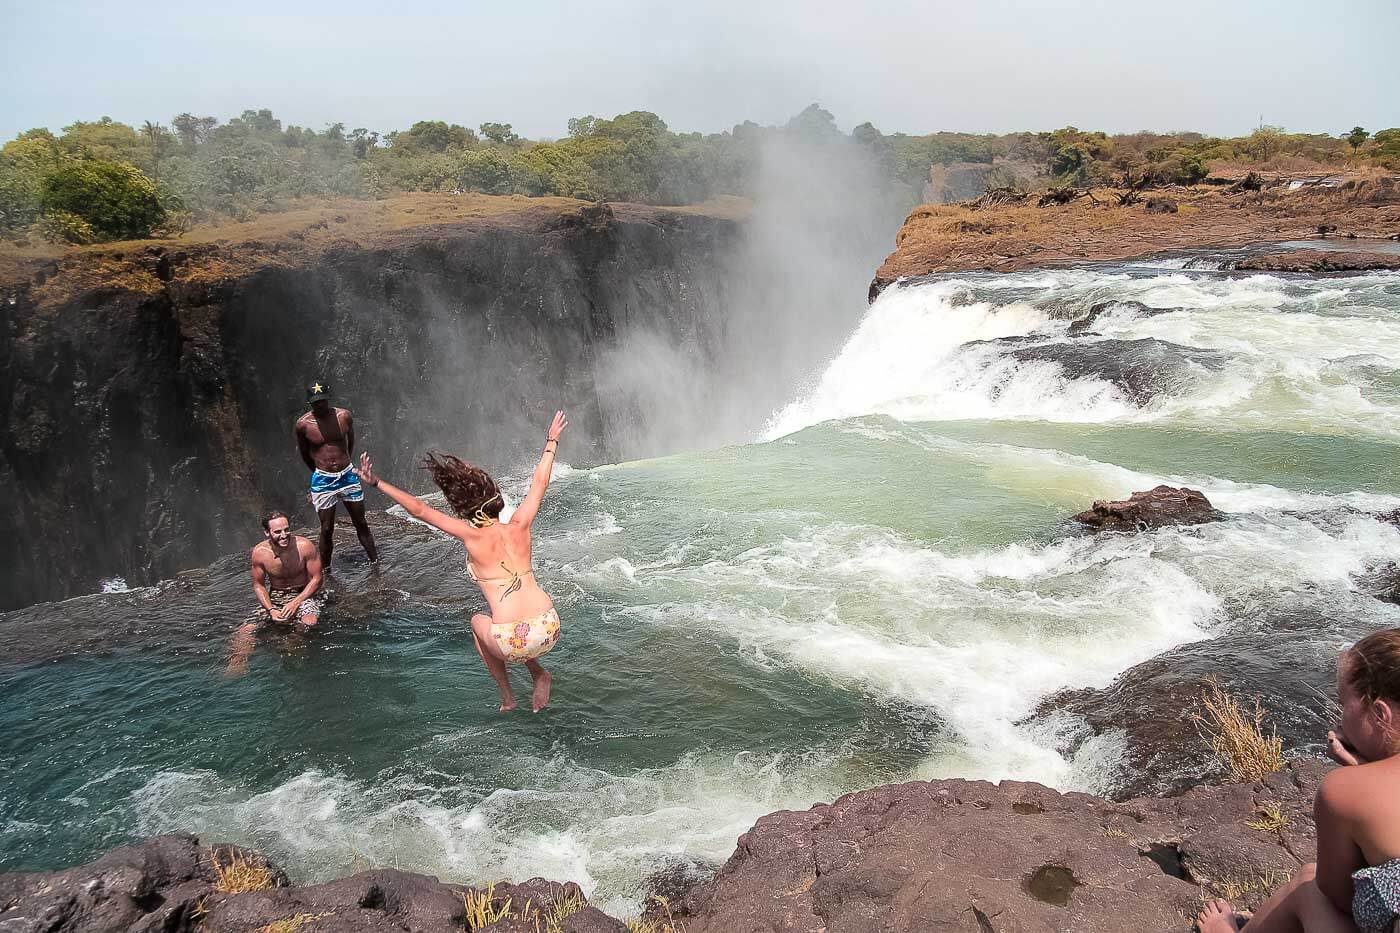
(1159, 507)
(972, 856)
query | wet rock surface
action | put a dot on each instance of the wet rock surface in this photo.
(1159, 507)
(1317, 261)
(1142, 369)
(1084, 325)
(150, 399)
(169, 884)
(926, 856)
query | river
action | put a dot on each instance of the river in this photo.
(881, 587)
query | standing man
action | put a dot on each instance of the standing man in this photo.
(326, 438)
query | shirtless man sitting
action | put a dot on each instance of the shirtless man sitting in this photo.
(286, 575)
(326, 439)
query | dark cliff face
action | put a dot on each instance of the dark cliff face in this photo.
(146, 429)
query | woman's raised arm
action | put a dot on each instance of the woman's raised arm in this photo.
(525, 514)
(412, 504)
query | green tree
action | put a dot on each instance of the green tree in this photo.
(159, 139)
(500, 133)
(25, 162)
(117, 199)
(1265, 142)
(1356, 137)
(192, 130)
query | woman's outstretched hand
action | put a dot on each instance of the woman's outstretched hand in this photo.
(1338, 751)
(367, 470)
(556, 427)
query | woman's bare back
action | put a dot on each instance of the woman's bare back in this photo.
(499, 558)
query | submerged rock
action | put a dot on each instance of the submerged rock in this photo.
(1080, 326)
(1319, 261)
(1142, 370)
(1159, 507)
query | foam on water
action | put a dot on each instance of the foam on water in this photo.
(918, 354)
(556, 818)
(900, 580)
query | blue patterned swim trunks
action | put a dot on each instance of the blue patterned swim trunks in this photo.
(329, 488)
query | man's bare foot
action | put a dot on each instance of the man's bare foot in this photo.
(1217, 916)
(540, 697)
(507, 706)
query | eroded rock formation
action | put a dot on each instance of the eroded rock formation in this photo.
(149, 391)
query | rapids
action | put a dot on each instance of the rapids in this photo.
(880, 588)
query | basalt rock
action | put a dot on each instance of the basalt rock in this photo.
(1318, 261)
(922, 856)
(968, 855)
(1161, 206)
(168, 885)
(1159, 507)
(149, 398)
(1081, 326)
(1142, 370)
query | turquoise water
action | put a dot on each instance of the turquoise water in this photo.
(882, 589)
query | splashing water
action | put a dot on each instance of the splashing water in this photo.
(882, 589)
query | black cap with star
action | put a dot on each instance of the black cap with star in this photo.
(317, 390)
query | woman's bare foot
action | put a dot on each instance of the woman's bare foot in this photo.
(1217, 916)
(543, 680)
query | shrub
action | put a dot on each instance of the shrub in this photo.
(65, 227)
(115, 198)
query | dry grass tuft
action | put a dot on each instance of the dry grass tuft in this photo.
(1250, 891)
(1270, 819)
(240, 875)
(291, 924)
(552, 920)
(481, 908)
(1115, 832)
(655, 924)
(1236, 735)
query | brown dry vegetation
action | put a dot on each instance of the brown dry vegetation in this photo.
(240, 875)
(210, 254)
(1237, 737)
(959, 237)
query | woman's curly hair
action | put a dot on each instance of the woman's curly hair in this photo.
(469, 489)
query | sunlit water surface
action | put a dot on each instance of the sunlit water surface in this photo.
(882, 589)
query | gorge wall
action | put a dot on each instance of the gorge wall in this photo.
(149, 390)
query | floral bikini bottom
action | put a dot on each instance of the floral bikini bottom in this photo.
(527, 639)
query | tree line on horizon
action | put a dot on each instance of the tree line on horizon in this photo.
(105, 180)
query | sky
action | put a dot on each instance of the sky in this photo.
(1217, 67)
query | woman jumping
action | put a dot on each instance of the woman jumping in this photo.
(522, 625)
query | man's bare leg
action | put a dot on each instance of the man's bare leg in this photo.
(543, 681)
(240, 647)
(357, 516)
(327, 517)
(496, 665)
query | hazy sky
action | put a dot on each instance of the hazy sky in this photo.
(977, 65)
